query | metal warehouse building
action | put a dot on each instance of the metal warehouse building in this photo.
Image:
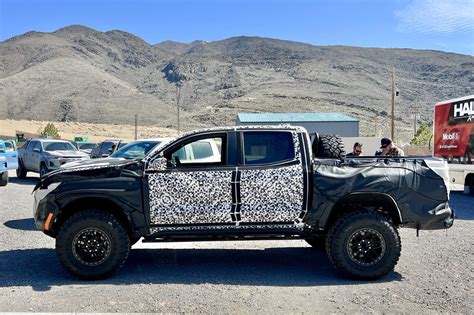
(325, 123)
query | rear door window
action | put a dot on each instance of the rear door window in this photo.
(268, 147)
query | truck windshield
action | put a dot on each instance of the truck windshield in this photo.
(58, 146)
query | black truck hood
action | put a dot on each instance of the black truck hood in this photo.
(87, 169)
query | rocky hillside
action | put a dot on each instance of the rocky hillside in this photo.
(80, 74)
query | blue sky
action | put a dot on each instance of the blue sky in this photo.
(446, 25)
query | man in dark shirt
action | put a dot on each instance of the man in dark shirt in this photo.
(356, 151)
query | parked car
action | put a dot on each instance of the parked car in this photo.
(44, 155)
(106, 148)
(8, 149)
(3, 171)
(86, 147)
(139, 149)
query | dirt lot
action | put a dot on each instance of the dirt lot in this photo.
(95, 132)
(434, 274)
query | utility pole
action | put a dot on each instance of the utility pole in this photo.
(136, 128)
(178, 96)
(393, 104)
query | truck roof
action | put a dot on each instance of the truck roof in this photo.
(248, 127)
(455, 99)
(50, 140)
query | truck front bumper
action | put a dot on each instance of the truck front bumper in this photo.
(43, 206)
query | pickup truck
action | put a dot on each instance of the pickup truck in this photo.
(44, 155)
(268, 183)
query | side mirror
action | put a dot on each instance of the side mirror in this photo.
(36, 150)
(159, 164)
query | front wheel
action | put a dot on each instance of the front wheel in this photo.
(364, 245)
(43, 170)
(92, 244)
(21, 171)
(4, 178)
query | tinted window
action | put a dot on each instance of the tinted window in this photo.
(106, 146)
(268, 147)
(85, 146)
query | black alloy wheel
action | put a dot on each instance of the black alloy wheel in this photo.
(363, 245)
(92, 244)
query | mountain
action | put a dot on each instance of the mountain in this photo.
(80, 74)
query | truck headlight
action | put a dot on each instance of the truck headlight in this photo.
(55, 162)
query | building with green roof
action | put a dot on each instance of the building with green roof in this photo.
(324, 123)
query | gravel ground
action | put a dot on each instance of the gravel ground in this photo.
(434, 274)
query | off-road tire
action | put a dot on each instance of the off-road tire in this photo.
(330, 146)
(4, 178)
(21, 171)
(318, 242)
(345, 245)
(85, 230)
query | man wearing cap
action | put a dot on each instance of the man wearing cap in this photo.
(389, 148)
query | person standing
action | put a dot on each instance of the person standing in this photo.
(389, 148)
(356, 150)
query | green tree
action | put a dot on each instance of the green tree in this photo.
(49, 131)
(423, 135)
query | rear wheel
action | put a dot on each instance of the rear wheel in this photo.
(4, 178)
(92, 244)
(364, 245)
(21, 171)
